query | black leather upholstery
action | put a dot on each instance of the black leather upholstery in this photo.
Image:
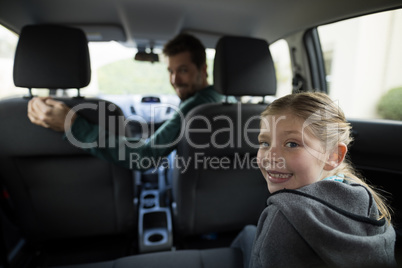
(58, 190)
(243, 66)
(222, 189)
(52, 49)
(211, 258)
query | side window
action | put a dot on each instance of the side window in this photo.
(363, 61)
(8, 44)
(281, 57)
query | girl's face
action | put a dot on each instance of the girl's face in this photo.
(289, 156)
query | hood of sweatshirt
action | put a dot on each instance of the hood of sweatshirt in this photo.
(339, 221)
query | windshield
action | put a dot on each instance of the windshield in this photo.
(116, 75)
(115, 72)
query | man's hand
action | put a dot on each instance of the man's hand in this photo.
(49, 113)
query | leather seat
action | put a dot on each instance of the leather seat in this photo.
(210, 258)
(60, 192)
(221, 189)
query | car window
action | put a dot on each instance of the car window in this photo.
(115, 72)
(153, 78)
(8, 43)
(363, 61)
(281, 57)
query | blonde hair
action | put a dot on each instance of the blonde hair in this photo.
(326, 122)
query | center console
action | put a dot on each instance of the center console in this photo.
(155, 221)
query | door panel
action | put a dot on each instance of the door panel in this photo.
(377, 154)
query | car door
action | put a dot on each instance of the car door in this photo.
(362, 63)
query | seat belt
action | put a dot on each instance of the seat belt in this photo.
(298, 82)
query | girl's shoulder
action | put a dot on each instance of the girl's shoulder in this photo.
(327, 195)
(328, 215)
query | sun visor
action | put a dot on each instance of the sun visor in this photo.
(103, 33)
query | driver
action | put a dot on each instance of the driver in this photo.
(186, 60)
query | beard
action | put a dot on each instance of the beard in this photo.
(185, 90)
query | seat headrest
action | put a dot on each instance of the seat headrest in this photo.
(52, 56)
(243, 66)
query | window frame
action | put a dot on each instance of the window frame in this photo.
(315, 59)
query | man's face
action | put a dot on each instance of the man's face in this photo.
(185, 77)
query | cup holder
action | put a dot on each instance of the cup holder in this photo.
(149, 201)
(155, 237)
(155, 224)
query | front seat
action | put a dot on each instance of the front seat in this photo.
(58, 191)
(221, 188)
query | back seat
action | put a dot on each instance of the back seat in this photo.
(209, 258)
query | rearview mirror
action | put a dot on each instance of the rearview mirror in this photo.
(146, 56)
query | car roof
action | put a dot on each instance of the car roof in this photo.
(140, 22)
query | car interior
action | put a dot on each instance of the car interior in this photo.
(62, 207)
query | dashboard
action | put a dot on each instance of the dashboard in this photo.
(152, 110)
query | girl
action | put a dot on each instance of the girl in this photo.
(320, 213)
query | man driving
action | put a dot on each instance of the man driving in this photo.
(186, 60)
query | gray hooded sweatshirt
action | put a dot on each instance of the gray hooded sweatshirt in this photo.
(323, 224)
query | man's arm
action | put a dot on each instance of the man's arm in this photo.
(130, 153)
(49, 113)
